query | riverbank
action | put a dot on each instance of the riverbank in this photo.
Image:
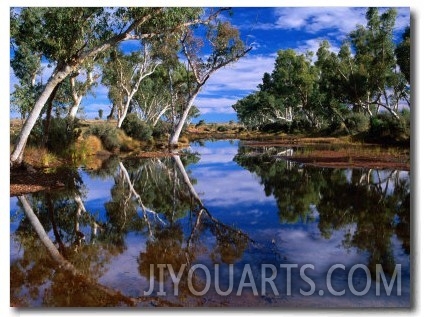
(44, 171)
(335, 154)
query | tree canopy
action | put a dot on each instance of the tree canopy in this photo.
(73, 41)
(369, 75)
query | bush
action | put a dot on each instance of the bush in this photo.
(62, 133)
(357, 122)
(384, 127)
(275, 127)
(108, 135)
(221, 128)
(300, 126)
(136, 128)
(161, 129)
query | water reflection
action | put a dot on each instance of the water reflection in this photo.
(372, 205)
(149, 197)
(76, 248)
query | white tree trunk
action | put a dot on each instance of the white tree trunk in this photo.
(187, 181)
(160, 115)
(38, 228)
(77, 99)
(144, 71)
(74, 108)
(122, 114)
(177, 132)
(57, 77)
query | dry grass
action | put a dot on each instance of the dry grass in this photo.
(127, 143)
(90, 145)
(40, 157)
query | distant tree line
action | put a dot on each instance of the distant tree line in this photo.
(363, 87)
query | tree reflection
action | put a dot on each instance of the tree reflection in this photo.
(379, 206)
(70, 280)
(295, 188)
(173, 245)
(371, 205)
(153, 197)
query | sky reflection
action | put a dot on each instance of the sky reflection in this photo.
(259, 211)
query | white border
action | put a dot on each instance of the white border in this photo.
(418, 249)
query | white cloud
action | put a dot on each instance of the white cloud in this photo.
(242, 76)
(217, 105)
(403, 19)
(229, 186)
(313, 45)
(231, 83)
(315, 19)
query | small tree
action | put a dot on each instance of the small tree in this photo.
(225, 46)
(123, 74)
(100, 113)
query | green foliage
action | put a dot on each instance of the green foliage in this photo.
(222, 128)
(300, 126)
(340, 91)
(100, 113)
(276, 127)
(384, 127)
(108, 135)
(161, 129)
(62, 133)
(357, 122)
(136, 128)
(403, 54)
(23, 98)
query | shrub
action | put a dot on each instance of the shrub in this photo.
(384, 127)
(40, 157)
(275, 127)
(108, 135)
(161, 129)
(136, 128)
(221, 128)
(62, 133)
(357, 122)
(300, 126)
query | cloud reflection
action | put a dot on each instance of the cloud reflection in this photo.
(228, 185)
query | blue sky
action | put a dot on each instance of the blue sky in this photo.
(267, 30)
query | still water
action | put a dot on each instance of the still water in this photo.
(221, 224)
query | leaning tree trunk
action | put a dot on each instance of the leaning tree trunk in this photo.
(122, 116)
(49, 115)
(173, 141)
(57, 77)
